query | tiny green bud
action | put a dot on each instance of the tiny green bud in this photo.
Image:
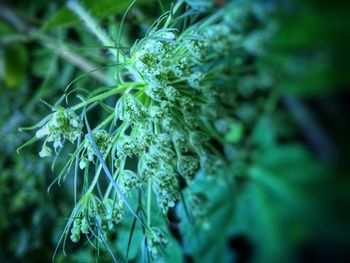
(45, 151)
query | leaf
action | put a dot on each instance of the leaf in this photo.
(208, 239)
(31, 141)
(16, 64)
(124, 231)
(173, 253)
(266, 229)
(308, 76)
(264, 133)
(100, 9)
(309, 53)
(293, 163)
(5, 28)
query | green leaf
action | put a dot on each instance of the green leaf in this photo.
(285, 161)
(173, 253)
(100, 9)
(123, 237)
(31, 141)
(266, 228)
(264, 133)
(15, 66)
(207, 238)
(5, 28)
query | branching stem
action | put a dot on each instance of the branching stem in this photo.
(105, 95)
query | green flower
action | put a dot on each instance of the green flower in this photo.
(102, 139)
(63, 124)
(130, 109)
(76, 231)
(128, 180)
(156, 240)
(187, 165)
(45, 151)
(166, 187)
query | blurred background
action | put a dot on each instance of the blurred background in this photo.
(297, 206)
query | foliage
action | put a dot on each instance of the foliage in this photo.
(171, 137)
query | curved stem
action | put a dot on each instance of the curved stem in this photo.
(105, 95)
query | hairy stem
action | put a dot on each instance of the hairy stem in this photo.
(93, 26)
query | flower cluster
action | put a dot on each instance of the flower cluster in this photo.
(153, 60)
(187, 165)
(63, 124)
(167, 123)
(129, 109)
(166, 188)
(128, 180)
(127, 147)
(94, 213)
(102, 139)
(221, 38)
(156, 240)
(180, 100)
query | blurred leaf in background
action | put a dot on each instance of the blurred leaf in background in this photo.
(100, 9)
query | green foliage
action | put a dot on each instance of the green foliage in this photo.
(310, 51)
(101, 9)
(176, 143)
(15, 66)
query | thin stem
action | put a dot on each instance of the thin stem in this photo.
(176, 7)
(161, 6)
(122, 128)
(95, 179)
(76, 173)
(119, 37)
(149, 193)
(100, 97)
(109, 189)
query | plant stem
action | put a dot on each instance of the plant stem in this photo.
(93, 26)
(170, 17)
(122, 128)
(149, 193)
(100, 97)
(118, 171)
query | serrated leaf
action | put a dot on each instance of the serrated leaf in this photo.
(208, 239)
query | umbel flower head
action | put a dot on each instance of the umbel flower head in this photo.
(107, 213)
(130, 109)
(63, 125)
(102, 140)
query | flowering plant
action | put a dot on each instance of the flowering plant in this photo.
(168, 116)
